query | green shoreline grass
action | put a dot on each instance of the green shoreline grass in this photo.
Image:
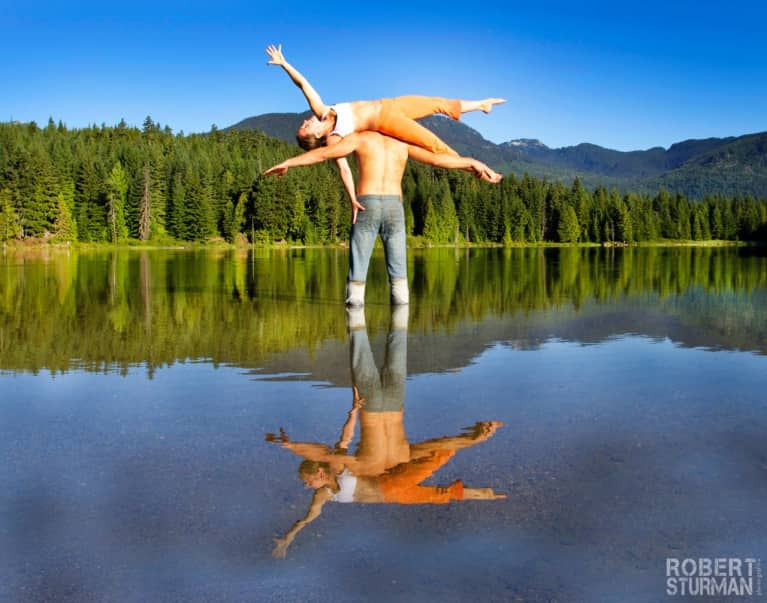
(413, 243)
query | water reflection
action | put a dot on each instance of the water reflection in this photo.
(109, 311)
(385, 468)
(614, 456)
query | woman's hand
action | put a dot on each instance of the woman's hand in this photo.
(275, 53)
(280, 547)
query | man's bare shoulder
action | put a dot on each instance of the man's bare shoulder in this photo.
(374, 142)
(369, 137)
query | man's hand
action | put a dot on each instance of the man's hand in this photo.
(277, 439)
(357, 400)
(275, 54)
(483, 172)
(280, 169)
(489, 175)
(356, 208)
(483, 430)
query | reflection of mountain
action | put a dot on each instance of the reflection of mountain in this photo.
(284, 309)
(695, 319)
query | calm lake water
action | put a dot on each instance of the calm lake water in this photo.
(538, 425)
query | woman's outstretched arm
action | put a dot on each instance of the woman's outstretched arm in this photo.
(319, 499)
(312, 96)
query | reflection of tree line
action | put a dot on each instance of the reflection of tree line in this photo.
(385, 467)
(237, 307)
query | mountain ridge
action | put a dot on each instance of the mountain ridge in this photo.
(734, 165)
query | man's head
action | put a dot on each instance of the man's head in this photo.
(311, 134)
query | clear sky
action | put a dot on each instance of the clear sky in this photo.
(625, 75)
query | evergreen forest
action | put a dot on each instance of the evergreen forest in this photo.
(122, 184)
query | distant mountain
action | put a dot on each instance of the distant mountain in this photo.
(282, 126)
(598, 160)
(733, 165)
(737, 167)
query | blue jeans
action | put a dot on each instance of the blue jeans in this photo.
(383, 391)
(383, 215)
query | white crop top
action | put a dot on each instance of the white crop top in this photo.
(344, 119)
(347, 483)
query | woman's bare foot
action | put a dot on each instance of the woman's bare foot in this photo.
(481, 494)
(486, 105)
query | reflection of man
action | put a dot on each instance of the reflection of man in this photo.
(386, 468)
(381, 162)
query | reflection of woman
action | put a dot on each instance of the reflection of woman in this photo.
(386, 468)
(394, 117)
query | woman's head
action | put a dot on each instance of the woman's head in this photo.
(311, 134)
(315, 474)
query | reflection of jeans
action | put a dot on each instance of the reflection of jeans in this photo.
(384, 391)
(383, 215)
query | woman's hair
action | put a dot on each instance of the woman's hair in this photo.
(309, 468)
(309, 141)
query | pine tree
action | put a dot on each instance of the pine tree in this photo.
(625, 225)
(431, 226)
(145, 205)
(64, 228)
(90, 212)
(157, 194)
(238, 220)
(580, 199)
(41, 209)
(117, 188)
(10, 224)
(569, 230)
(449, 216)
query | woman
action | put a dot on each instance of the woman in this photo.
(337, 477)
(394, 117)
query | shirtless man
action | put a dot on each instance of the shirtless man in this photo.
(381, 162)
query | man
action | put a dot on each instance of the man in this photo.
(381, 162)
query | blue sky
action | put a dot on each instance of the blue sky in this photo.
(622, 75)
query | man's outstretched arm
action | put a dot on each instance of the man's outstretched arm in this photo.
(348, 179)
(479, 169)
(341, 149)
